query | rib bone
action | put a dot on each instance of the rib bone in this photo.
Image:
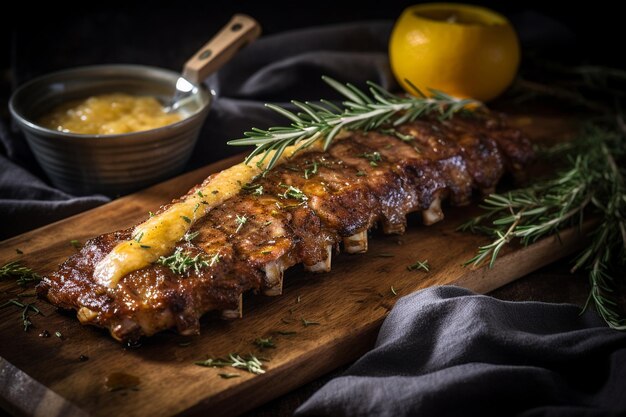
(322, 266)
(393, 228)
(274, 278)
(357, 243)
(236, 313)
(433, 214)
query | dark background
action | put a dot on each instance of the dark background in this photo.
(59, 35)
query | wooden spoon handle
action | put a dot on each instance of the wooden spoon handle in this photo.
(241, 30)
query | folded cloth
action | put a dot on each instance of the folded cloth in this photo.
(446, 351)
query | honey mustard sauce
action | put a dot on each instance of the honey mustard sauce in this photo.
(109, 114)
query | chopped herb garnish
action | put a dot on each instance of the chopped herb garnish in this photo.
(145, 246)
(299, 299)
(254, 189)
(309, 172)
(227, 375)
(214, 192)
(286, 332)
(240, 221)
(401, 136)
(294, 192)
(200, 194)
(138, 237)
(18, 251)
(214, 259)
(423, 265)
(185, 218)
(189, 236)
(307, 323)
(184, 344)
(361, 174)
(58, 334)
(267, 223)
(393, 291)
(266, 252)
(196, 208)
(373, 157)
(180, 262)
(23, 274)
(75, 243)
(150, 214)
(265, 343)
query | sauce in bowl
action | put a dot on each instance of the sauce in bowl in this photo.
(109, 114)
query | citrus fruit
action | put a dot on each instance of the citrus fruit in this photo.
(462, 50)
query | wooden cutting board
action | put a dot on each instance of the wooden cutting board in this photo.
(46, 377)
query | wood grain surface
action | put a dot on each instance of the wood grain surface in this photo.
(45, 376)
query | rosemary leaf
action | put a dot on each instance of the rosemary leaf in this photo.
(265, 343)
(307, 323)
(419, 265)
(23, 274)
(228, 375)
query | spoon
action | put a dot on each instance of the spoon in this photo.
(241, 30)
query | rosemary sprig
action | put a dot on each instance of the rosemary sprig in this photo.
(250, 363)
(23, 274)
(324, 120)
(591, 183)
(180, 262)
(26, 307)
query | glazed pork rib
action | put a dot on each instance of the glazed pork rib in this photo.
(302, 211)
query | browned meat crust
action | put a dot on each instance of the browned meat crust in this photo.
(362, 180)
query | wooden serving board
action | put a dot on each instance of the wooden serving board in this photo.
(45, 377)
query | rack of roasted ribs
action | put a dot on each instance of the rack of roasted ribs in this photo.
(241, 228)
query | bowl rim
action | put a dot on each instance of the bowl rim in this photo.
(202, 89)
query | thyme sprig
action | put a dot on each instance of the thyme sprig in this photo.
(361, 111)
(592, 183)
(180, 262)
(23, 275)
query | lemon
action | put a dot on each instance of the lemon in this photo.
(463, 50)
